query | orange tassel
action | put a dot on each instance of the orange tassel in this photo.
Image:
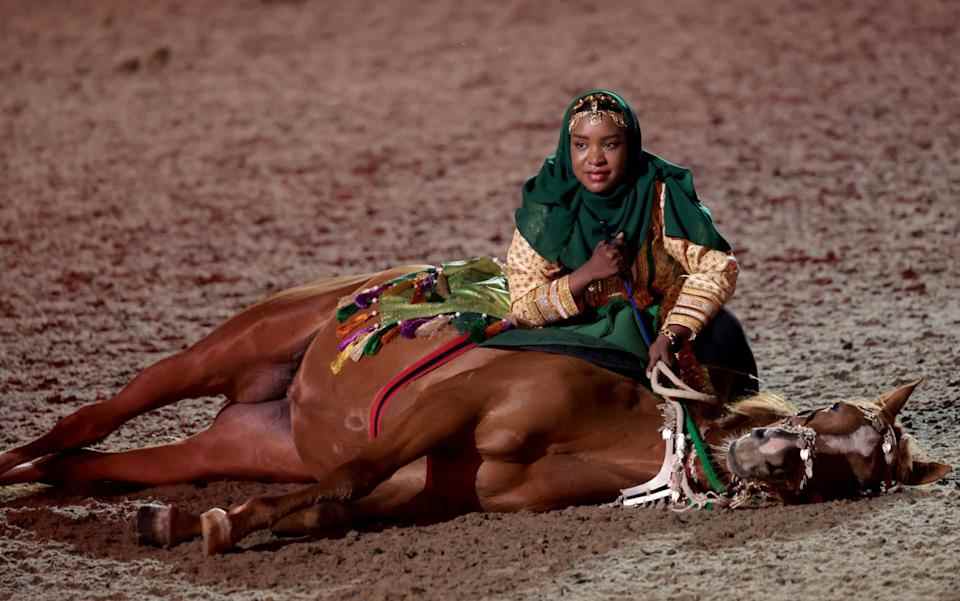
(351, 325)
(496, 327)
(399, 288)
(390, 335)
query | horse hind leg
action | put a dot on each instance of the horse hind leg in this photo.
(223, 451)
(242, 360)
(177, 377)
(158, 385)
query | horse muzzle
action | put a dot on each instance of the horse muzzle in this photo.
(766, 454)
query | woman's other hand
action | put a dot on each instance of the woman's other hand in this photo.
(662, 348)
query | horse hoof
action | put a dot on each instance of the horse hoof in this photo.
(215, 524)
(155, 525)
(10, 460)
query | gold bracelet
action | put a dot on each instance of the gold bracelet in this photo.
(674, 339)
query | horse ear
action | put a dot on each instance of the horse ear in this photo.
(892, 402)
(913, 471)
(924, 472)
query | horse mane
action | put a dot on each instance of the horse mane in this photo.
(767, 405)
(762, 404)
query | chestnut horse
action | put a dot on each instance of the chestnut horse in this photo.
(494, 430)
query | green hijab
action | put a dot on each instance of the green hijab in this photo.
(563, 221)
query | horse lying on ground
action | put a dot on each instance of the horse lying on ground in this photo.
(495, 430)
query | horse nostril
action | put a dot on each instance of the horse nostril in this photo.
(759, 433)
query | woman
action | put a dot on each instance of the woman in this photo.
(612, 244)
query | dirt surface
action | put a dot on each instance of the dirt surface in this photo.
(165, 164)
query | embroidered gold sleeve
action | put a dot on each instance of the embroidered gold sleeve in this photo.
(539, 294)
(710, 281)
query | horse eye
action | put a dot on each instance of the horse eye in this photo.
(835, 407)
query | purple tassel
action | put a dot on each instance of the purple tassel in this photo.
(353, 336)
(408, 328)
(366, 298)
(428, 282)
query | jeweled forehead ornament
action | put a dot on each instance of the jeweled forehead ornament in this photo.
(596, 107)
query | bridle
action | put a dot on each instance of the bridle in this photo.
(671, 484)
(889, 447)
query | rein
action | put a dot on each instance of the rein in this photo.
(671, 481)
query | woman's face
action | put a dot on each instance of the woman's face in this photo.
(598, 151)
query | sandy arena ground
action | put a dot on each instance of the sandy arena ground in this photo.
(164, 164)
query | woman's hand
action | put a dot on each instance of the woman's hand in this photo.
(607, 260)
(660, 349)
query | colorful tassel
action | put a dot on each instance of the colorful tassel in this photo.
(369, 296)
(350, 352)
(356, 349)
(433, 326)
(390, 335)
(408, 327)
(374, 342)
(353, 336)
(472, 324)
(346, 311)
(497, 327)
(399, 288)
(344, 329)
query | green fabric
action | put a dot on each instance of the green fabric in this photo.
(613, 327)
(476, 286)
(563, 221)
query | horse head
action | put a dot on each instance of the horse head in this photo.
(843, 450)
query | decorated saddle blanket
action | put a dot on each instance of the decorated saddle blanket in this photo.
(470, 295)
(473, 297)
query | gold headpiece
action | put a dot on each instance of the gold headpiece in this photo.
(596, 107)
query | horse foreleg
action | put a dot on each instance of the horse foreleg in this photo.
(223, 451)
(436, 417)
(400, 497)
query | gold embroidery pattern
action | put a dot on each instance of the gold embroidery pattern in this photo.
(567, 301)
(696, 303)
(545, 305)
(709, 281)
(555, 300)
(600, 292)
(538, 293)
(692, 323)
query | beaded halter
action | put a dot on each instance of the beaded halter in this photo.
(671, 483)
